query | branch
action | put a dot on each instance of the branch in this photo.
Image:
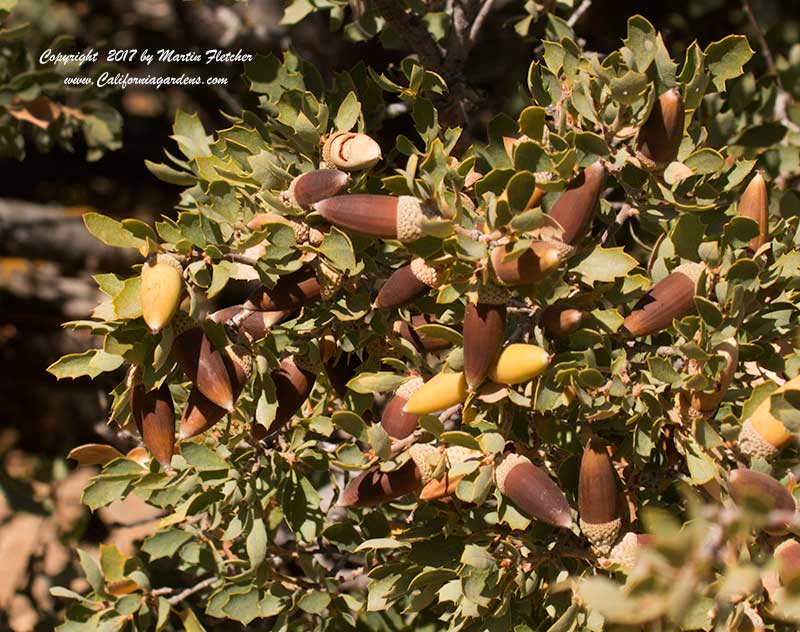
(477, 23)
(583, 7)
(176, 599)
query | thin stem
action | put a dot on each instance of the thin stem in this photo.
(583, 7)
(477, 23)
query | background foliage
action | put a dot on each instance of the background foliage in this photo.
(245, 528)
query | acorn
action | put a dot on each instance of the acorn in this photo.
(762, 434)
(445, 486)
(519, 363)
(532, 490)
(291, 292)
(705, 403)
(660, 136)
(201, 413)
(374, 487)
(600, 518)
(154, 414)
(294, 381)
(397, 423)
(670, 298)
(560, 321)
(160, 293)
(787, 555)
(439, 393)
(576, 206)
(407, 284)
(202, 364)
(484, 332)
(755, 487)
(255, 324)
(755, 205)
(381, 216)
(535, 264)
(301, 229)
(350, 151)
(314, 186)
(342, 371)
(422, 342)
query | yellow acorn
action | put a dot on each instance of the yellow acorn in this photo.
(519, 363)
(160, 294)
(762, 434)
(440, 392)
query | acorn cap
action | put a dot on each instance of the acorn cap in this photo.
(350, 151)
(260, 220)
(382, 216)
(291, 292)
(754, 204)
(409, 387)
(426, 457)
(626, 553)
(373, 487)
(492, 294)
(154, 414)
(519, 363)
(576, 206)
(401, 288)
(428, 274)
(533, 491)
(314, 186)
(160, 292)
(330, 281)
(753, 444)
(535, 264)
(484, 333)
(669, 299)
(660, 136)
(600, 518)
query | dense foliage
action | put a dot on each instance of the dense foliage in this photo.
(251, 517)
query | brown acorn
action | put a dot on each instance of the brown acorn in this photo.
(291, 292)
(533, 491)
(576, 206)
(202, 364)
(755, 205)
(154, 414)
(342, 371)
(294, 381)
(255, 324)
(787, 554)
(422, 342)
(394, 421)
(560, 321)
(301, 229)
(201, 413)
(350, 151)
(535, 264)
(670, 298)
(484, 332)
(374, 487)
(315, 186)
(660, 136)
(600, 518)
(381, 216)
(407, 284)
(761, 489)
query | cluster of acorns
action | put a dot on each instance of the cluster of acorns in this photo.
(218, 376)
